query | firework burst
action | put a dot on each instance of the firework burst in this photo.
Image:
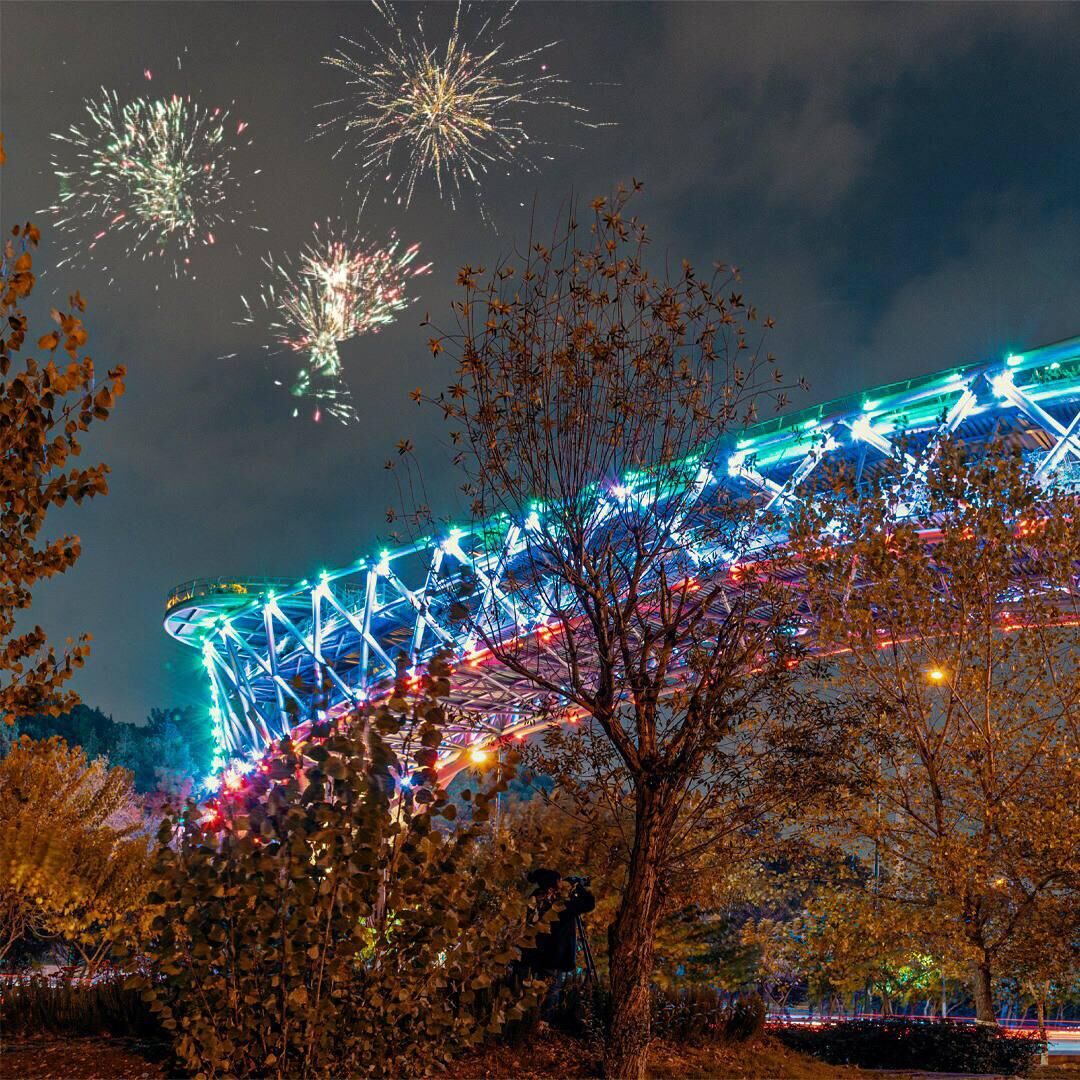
(453, 112)
(157, 174)
(340, 287)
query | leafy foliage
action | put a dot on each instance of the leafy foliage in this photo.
(74, 853)
(841, 938)
(699, 939)
(939, 1046)
(317, 922)
(954, 622)
(44, 410)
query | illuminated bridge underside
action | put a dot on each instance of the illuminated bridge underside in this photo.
(268, 646)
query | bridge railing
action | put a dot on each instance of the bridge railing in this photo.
(198, 588)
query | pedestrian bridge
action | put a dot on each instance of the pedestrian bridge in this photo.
(279, 653)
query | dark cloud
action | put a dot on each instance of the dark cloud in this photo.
(791, 100)
(898, 181)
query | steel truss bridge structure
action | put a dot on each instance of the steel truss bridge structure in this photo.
(279, 654)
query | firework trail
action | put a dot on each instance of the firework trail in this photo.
(157, 174)
(341, 286)
(453, 111)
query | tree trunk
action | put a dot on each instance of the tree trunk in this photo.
(984, 993)
(633, 939)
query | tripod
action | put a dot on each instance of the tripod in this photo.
(586, 950)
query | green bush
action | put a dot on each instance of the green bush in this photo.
(34, 1005)
(319, 924)
(907, 1043)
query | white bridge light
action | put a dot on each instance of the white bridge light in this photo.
(862, 429)
(452, 544)
(1002, 384)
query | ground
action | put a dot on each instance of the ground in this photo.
(548, 1057)
(552, 1057)
(53, 1058)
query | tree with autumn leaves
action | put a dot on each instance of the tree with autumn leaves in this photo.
(945, 593)
(587, 391)
(69, 866)
(45, 409)
(74, 852)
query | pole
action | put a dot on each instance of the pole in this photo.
(590, 965)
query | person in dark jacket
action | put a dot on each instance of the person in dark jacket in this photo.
(554, 956)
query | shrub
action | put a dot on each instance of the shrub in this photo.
(583, 1009)
(698, 1014)
(319, 922)
(34, 1005)
(904, 1043)
(693, 1015)
(746, 1019)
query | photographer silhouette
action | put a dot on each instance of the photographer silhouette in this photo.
(554, 956)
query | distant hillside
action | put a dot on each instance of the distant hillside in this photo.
(173, 745)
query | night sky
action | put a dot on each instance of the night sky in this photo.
(900, 184)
